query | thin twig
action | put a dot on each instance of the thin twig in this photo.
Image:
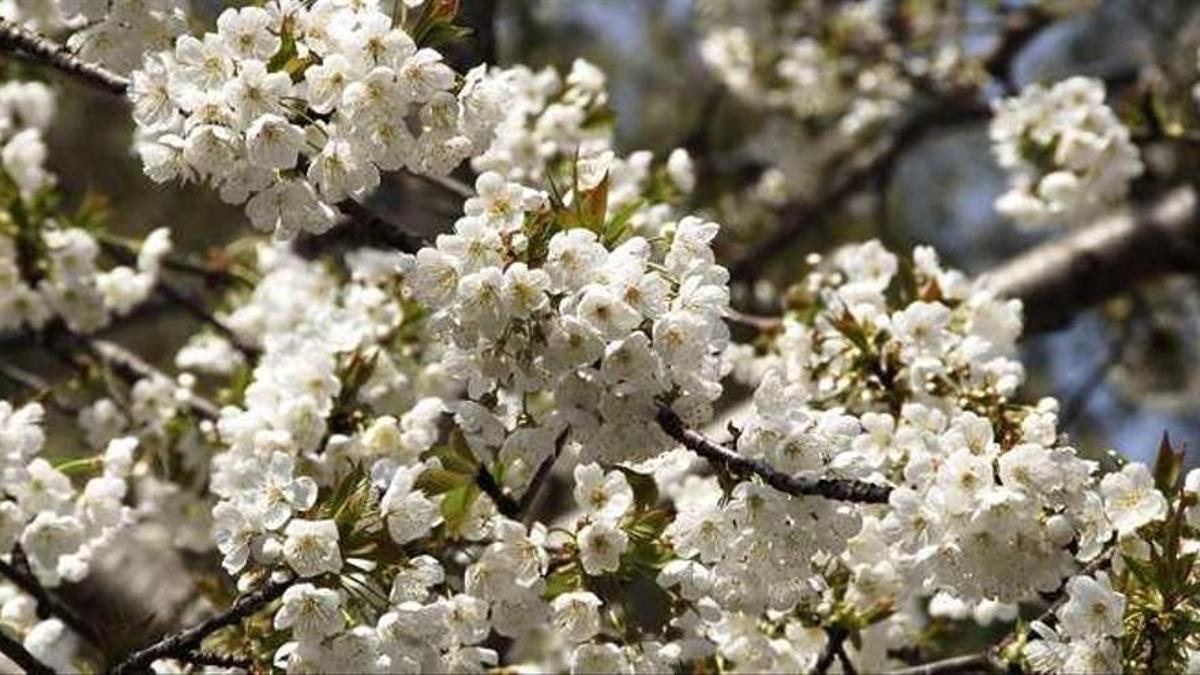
(215, 274)
(505, 504)
(449, 184)
(41, 389)
(797, 217)
(840, 489)
(16, 652)
(992, 659)
(133, 367)
(762, 324)
(182, 299)
(185, 642)
(967, 663)
(40, 49)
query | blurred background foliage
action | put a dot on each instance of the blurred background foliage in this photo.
(1124, 372)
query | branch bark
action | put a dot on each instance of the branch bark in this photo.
(48, 604)
(830, 488)
(181, 645)
(1058, 279)
(16, 652)
(26, 43)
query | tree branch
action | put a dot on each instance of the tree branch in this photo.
(49, 604)
(1056, 280)
(845, 490)
(182, 644)
(16, 652)
(183, 300)
(796, 217)
(133, 367)
(991, 659)
(19, 41)
(39, 49)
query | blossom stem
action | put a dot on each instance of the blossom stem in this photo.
(839, 489)
(967, 663)
(25, 43)
(17, 653)
(183, 644)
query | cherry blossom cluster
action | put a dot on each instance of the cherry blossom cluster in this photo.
(552, 121)
(1110, 616)
(536, 306)
(988, 507)
(1067, 155)
(49, 268)
(57, 525)
(291, 109)
(780, 60)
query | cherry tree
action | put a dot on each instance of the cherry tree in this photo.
(576, 429)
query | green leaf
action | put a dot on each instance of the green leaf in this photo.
(439, 481)
(456, 456)
(645, 490)
(1144, 572)
(615, 229)
(565, 579)
(1168, 466)
(645, 557)
(650, 525)
(456, 507)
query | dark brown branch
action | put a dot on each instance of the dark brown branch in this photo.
(516, 508)
(33, 47)
(834, 649)
(215, 274)
(217, 660)
(361, 227)
(505, 504)
(1021, 27)
(525, 505)
(181, 645)
(1056, 280)
(16, 652)
(41, 390)
(839, 489)
(49, 604)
